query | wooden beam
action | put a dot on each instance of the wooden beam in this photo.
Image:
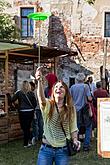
(2, 57)
(23, 55)
(55, 64)
(104, 63)
(105, 57)
(17, 49)
(6, 80)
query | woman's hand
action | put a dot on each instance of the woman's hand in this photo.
(38, 73)
(78, 144)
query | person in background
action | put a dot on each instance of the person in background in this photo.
(92, 88)
(37, 123)
(53, 147)
(105, 79)
(51, 80)
(91, 84)
(27, 103)
(99, 93)
(80, 93)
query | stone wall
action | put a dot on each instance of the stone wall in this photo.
(81, 28)
(73, 22)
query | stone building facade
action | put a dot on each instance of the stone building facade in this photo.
(71, 22)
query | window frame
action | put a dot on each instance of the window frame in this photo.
(27, 19)
(105, 23)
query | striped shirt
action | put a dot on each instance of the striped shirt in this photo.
(52, 128)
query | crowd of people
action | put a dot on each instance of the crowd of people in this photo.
(56, 113)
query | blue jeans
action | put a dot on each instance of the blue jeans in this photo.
(88, 130)
(37, 125)
(48, 155)
(84, 120)
(87, 136)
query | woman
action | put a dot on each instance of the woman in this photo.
(27, 103)
(53, 146)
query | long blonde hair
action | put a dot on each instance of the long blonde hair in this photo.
(69, 110)
(25, 87)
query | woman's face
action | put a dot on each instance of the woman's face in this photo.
(59, 90)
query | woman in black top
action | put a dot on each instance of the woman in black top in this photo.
(27, 103)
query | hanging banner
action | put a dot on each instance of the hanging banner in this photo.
(104, 127)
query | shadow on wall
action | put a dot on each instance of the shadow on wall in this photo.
(56, 35)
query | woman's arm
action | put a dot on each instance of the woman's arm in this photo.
(74, 136)
(40, 90)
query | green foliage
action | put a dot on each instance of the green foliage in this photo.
(91, 2)
(8, 28)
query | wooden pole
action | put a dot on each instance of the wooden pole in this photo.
(6, 79)
(55, 64)
(104, 63)
(39, 43)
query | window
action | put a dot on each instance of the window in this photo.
(107, 25)
(26, 23)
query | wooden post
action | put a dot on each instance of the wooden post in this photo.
(55, 64)
(6, 79)
(104, 63)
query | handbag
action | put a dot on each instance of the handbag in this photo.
(87, 108)
(85, 116)
(72, 147)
